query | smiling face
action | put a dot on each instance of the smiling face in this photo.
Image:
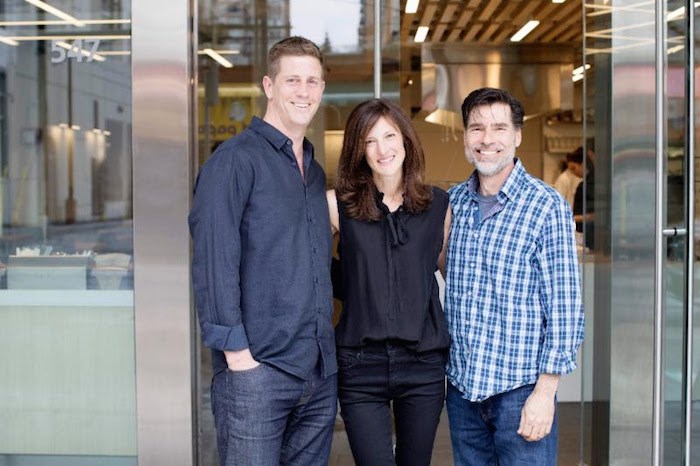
(384, 149)
(294, 94)
(490, 139)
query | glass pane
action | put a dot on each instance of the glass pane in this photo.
(675, 296)
(619, 273)
(66, 249)
(229, 95)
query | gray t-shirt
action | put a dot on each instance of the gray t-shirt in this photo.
(486, 203)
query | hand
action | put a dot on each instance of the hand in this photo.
(537, 416)
(240, 360)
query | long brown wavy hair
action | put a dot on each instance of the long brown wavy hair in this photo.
(355, 186)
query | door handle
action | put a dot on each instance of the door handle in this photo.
(674, 231)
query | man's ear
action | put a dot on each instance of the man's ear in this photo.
(267, 86)
(518, 137)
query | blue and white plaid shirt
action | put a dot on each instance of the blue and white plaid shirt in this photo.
(513, 297)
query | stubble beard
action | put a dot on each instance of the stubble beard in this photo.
(487, 169)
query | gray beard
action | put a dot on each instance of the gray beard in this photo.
(489, 169)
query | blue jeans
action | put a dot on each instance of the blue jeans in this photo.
(379, 378)
(266, 417)
(486, 433)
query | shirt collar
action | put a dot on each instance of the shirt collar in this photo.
(510, 188)
(275, 137)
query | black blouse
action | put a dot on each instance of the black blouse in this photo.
(388, 284)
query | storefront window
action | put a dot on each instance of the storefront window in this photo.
(66, 245)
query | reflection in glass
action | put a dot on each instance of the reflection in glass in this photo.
(66, 249)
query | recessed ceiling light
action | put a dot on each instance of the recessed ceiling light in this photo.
(421, 34)
(218, 58)
(525, 30)
(56, 12)
(581, 69)
(411, 6)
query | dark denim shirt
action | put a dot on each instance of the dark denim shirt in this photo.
(262, 253)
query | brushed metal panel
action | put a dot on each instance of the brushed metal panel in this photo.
(162, 133)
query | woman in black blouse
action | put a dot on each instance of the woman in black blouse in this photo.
(392, 338)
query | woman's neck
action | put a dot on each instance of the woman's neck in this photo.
(392, 188)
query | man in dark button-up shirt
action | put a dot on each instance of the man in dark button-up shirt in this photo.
(261, 275)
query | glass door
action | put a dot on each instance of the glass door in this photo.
(675, 192)
(233, 40)
(640, 122)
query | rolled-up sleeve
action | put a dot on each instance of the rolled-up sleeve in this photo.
(222, 190)
(560, 293)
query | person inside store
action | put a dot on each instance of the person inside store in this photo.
(512, 297)
(261, 276)
(392, 337)
(569, 179)
(584, 205)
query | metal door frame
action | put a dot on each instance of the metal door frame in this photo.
(661, 231)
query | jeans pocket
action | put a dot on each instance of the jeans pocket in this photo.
(347, 358)
(245, 371)
(432, 357)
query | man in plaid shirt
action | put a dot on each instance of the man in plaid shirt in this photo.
(512, 301)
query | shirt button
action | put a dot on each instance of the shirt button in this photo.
(472, 265)
(289, 143)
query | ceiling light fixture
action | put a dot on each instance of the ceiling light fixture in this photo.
(412, 7)
(525, 30)
(558, 1)
(62, 22)
(72, 37)
(577, 77)
(581, 69)
(218, 58)
(7, 41)
(675, 14)
(220, 52)
(107, 53)
(56, 12)
(421, 34)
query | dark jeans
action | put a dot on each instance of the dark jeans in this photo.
(373, 380)
(266, 417)
(486, 433)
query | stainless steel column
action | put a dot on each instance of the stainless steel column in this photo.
(162, 148)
